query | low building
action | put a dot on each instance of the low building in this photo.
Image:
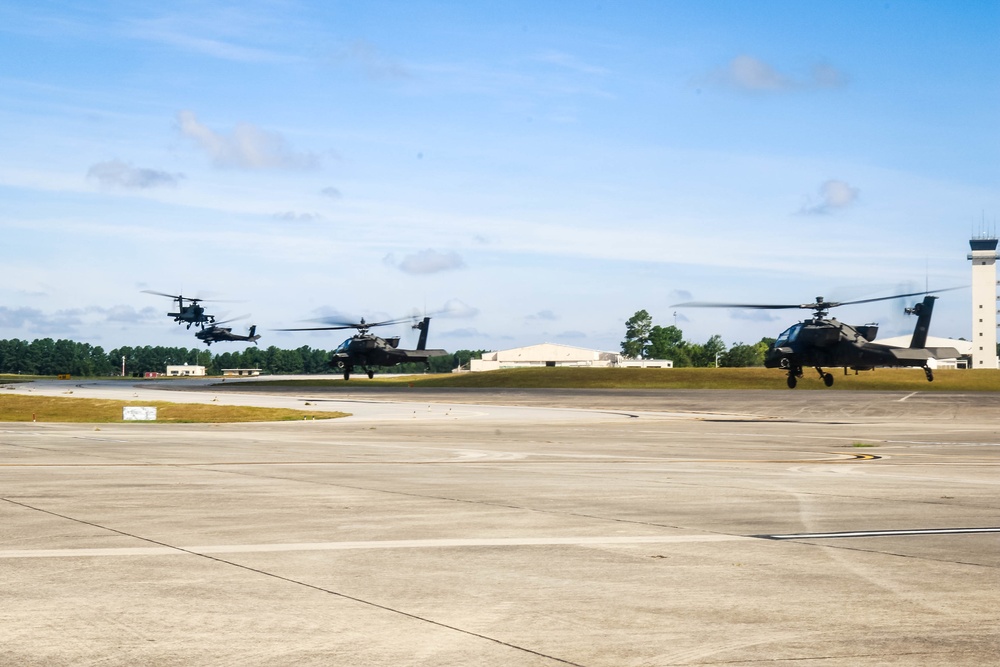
(645, 363)
(545, 354)
(185, 371)
(240, 372)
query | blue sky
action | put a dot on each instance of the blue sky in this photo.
(532, 171)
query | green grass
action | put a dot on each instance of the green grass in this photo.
(18, 408)
(883, 379)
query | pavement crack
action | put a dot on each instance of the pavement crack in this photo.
(297, 582)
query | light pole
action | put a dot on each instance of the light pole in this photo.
(717, 355)
(123, 365)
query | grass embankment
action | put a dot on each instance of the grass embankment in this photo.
(17, 408)
(882, 379)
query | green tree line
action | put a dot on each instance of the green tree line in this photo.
(645, 340)
(53, 357)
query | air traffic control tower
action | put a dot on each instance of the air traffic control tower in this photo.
(984, 301)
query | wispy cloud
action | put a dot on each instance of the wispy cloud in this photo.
(331, 192)
(571, 335)
(747, 73)
(118, 174)
(570, 62)
(457, 309)
(295, 216)
(546, 315)
(66, 322)
(248, 147)
(373, 62)
(834, 195)
(426, 261)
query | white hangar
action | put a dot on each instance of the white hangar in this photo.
(545, 354)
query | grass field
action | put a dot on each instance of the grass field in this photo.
(883, 379)
(17, 408)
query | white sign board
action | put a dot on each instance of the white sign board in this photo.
(138, 413)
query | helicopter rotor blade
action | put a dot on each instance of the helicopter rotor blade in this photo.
(758, 306)
(818, 304)
(318, 328)
(232, 319)
(895, 296)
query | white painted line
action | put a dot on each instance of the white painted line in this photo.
(884, 533)
(378, 544)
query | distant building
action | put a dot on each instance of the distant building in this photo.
(984, 301)
(240, 372)
(545, 354)
(185, 371)
(645, 363)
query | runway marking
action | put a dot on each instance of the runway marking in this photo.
(376, 544)
(882, 533)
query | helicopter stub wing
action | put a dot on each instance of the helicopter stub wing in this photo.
(944, 352)
(421, 355)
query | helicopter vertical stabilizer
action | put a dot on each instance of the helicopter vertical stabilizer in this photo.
(423, 326)
(923, 312)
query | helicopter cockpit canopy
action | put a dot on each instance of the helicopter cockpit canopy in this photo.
(788, 335)
(344, 347)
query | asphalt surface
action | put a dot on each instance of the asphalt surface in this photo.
(507, 528)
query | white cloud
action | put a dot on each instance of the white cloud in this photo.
(294, 216)
(118, 174)
(546, 314)
(751, 74)
(427, 261)
(331, 192)
(834, 195)
(248, 147)
(457, 309)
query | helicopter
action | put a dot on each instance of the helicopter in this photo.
(820, 342)
(193, 313)
(366, 350)
(216, 333)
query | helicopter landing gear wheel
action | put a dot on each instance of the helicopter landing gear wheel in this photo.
(347, 372)
(828, 379)
(929, 373)
(371, 374)
(791, 381)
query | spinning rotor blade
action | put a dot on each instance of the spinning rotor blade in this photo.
(337, 324)
(819, 304)
(232, 319)
(897, 296)
(181, 297)
(712, 304)
(177, 297)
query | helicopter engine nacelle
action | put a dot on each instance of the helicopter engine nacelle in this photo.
(868, 331)
(392, 342)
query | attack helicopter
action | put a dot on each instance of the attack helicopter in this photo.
(192, 313)
(366, 350)
(216, 333)
(820, 342)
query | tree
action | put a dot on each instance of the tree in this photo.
(706, 354)
(663, 343)
(637, 330)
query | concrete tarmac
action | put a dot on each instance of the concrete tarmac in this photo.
(508, 528)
